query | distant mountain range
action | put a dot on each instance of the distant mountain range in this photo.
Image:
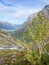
(8, 26)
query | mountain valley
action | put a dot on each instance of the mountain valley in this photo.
(29, 43)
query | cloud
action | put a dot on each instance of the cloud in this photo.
(15, 13)
(45, 1)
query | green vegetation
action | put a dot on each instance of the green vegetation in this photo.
(37, 39)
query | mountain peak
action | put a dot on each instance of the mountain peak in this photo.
(45, 10)
(47, 6)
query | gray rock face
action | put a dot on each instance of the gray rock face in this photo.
(45, 10)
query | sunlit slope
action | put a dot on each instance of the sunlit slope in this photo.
(8, 41)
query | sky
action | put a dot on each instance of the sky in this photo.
(17, 11)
